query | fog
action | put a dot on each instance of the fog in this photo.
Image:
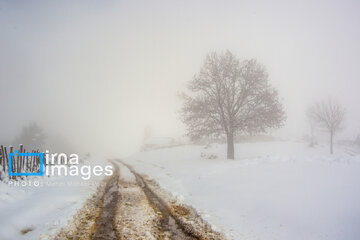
(98, 72)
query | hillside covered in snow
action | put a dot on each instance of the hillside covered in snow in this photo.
(272, 190)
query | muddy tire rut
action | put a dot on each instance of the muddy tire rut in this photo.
(169, 225)
(105, 226)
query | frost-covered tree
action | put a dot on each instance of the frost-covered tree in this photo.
(230, 97)
(330, 115)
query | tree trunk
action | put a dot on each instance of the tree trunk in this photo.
(331, 142)
(230, 146)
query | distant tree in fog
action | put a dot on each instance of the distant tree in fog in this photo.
(357, 140)
(312, 125)
(229, 97)
(31, 136)
(330, 115)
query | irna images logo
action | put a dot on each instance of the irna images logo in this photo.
(11, 155)
(58, 165)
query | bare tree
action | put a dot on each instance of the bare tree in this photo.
(230, 97)
(330, 115)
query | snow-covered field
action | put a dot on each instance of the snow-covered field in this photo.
(273, 190)
(42, 209)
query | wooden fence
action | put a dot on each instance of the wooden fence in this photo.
(19, 164)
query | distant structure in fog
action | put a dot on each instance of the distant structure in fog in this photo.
(158, 142)
(147, 132)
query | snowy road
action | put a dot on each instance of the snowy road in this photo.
(133, 207)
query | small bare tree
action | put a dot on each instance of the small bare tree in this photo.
(229, 97)
(330, 115)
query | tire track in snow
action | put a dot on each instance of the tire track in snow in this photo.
(105, 229)
(172, 224)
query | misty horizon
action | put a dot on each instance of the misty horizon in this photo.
(99, 73)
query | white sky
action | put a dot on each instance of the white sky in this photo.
(99, 71)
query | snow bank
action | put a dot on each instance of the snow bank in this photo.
(273, 190)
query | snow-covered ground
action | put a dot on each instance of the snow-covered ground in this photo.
(45, 208)
(273, 190)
